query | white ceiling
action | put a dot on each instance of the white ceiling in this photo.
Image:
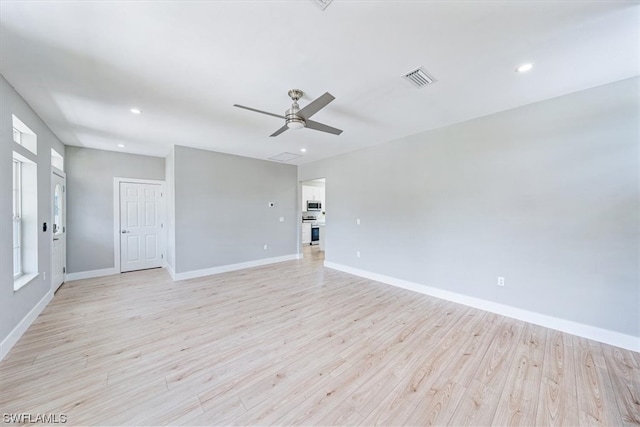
(83, 65)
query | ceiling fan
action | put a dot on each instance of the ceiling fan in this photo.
(296, 118)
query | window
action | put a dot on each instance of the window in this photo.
(17, 221)
(24, 136)
(57, 161)
(57, 211)
(17, 136)
(25, 205)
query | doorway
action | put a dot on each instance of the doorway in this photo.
(140, 227)
(313, 207)
(58, 229)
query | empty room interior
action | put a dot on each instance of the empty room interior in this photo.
(320, 212)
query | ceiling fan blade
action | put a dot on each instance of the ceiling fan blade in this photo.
(316, 106)
(259, 111)
(321, 127)
(279, 131)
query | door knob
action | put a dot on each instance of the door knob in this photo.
(125, 231)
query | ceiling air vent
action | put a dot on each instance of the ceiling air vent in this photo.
(419, 78)
(284, 157)
(322, 4)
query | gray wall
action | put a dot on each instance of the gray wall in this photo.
(14, 306)
(221, 209)
(90, 176)
(546, 195)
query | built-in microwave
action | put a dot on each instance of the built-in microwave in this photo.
(314, 205)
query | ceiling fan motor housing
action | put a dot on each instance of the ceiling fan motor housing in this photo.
(292, 119)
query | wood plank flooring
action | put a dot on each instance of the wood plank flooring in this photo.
(295, 343)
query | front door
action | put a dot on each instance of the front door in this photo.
(140, 226)
(58, 229)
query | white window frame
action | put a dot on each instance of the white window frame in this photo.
(25, 205)
(24, 136)
(17, 219)
(17, 136)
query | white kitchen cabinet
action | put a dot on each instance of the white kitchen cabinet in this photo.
(306, 195)
(319, 195)
(306, 233)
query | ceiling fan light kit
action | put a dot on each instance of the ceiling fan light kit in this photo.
(295, 124)
(297, 118)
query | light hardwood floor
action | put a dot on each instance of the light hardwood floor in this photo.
(298, 344)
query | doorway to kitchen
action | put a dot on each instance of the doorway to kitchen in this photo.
(313, 221)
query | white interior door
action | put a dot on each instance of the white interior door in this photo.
(58, 228)
(140, 226)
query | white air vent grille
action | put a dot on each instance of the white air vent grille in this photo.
(284, 157)
(419, 78)
(322, 4)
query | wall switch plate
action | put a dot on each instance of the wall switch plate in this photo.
(281, 219)
(358, 221)
(265, 247)
(358, 254)
(500, 281)
(44, 275)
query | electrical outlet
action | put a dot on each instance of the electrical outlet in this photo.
(281, 219)
(358, 254)
(358, 221)
(500, 281)
(44, 275)
(265, 247)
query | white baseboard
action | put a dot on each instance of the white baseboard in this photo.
(171, 271)
(591, 332)
(231, 267)
(13, 337)
(89, 274)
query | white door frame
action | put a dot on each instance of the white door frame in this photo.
(116, 217)
(63, 175)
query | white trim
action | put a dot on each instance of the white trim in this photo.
(90, 274)
(23, 280)
(116, 215)
(230, 267)
(59, 172)
(21, 328)
(172, 273)
(587, 331)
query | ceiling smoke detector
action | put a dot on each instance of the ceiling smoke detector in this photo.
(419, 78)
(322, 4)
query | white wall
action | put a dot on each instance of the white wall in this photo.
(15, 306)
(546, 195)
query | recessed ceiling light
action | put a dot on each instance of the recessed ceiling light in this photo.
(524, 68)
(136, 111)
(304, 150)
(121, 145)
